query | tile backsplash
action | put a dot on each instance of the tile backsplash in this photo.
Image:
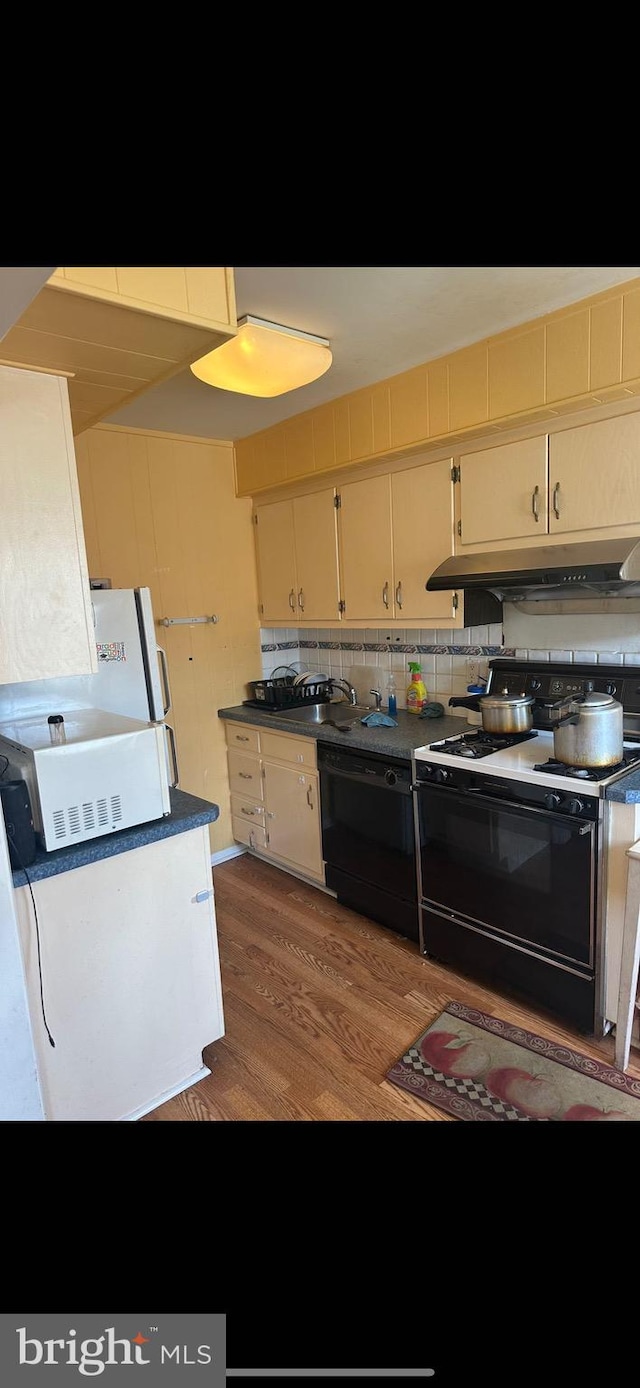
(444, 656)
(449, 659)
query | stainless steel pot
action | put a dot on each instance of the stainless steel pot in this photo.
(588, 731)
(501, 713)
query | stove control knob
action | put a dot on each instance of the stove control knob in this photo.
(536, 684)
(439, 774)
(552, 800)
(610, 688)
(390, 778)
(574, 806)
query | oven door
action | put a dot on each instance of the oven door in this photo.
(524, 874)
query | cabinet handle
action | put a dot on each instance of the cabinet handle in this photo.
(399, 595)
(249, 812)
(556, 501)
(309, 800)
(252, 839)
(245, 775)
(385, 595)
(240, 738)
(292, 600)
(301, 600)
(534, 503)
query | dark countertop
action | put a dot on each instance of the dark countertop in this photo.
(187, 812)
(626, 791)
(412, 731)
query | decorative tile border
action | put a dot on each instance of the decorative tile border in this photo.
(398, 647)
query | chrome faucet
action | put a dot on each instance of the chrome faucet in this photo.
(348, 689)
(378, 698)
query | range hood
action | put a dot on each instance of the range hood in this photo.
(550, 573)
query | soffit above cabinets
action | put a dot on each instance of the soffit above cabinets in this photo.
(112, 345)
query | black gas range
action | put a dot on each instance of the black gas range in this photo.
(513, 846)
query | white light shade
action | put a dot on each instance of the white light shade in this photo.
(264, 359)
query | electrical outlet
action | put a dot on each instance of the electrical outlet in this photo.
(473, 669)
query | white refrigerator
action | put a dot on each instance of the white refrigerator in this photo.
(132, 677)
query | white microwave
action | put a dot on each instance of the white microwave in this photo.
(103, 772)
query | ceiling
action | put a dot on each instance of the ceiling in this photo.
(380, 320)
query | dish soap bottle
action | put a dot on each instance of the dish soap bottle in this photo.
(416, 689)
(392, 702)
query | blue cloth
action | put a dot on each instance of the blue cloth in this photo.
(379, 720)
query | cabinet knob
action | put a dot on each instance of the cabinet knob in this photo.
(203, 896)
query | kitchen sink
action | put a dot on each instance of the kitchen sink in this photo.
(324, 713)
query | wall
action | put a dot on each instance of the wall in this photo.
(160, 511)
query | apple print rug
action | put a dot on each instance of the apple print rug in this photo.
(479, 1068)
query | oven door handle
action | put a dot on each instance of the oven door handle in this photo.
(583, 828)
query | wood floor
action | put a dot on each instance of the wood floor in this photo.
(319, 1002)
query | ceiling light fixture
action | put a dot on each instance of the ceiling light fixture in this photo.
(264, 359)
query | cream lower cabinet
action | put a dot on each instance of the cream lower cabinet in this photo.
(297, 554)
(395, 529)
(46, 625)
(130, 978)
(275, 797)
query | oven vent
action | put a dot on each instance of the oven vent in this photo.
(84, 818)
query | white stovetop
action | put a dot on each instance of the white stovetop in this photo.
(516, 764)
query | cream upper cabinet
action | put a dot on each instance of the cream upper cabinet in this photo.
(298, 559)
(316, 550)
(594, 475)
(46, 625)
(395, 529)
(198, 293)
(503, 493)
(366, 548)
(276, 562)
(422, 513)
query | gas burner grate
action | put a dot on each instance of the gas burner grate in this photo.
(479, 744)
(591, 773)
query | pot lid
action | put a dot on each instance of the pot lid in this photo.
(507, 701)
(593, 701)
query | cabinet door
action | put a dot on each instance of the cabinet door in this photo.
(293, 816)
(594, 475)
(276, 562)
(46, 628)
(422, 506)
(316, 550)
(502, 490)
(367, 561)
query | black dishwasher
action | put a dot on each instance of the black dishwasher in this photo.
(368, 835)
